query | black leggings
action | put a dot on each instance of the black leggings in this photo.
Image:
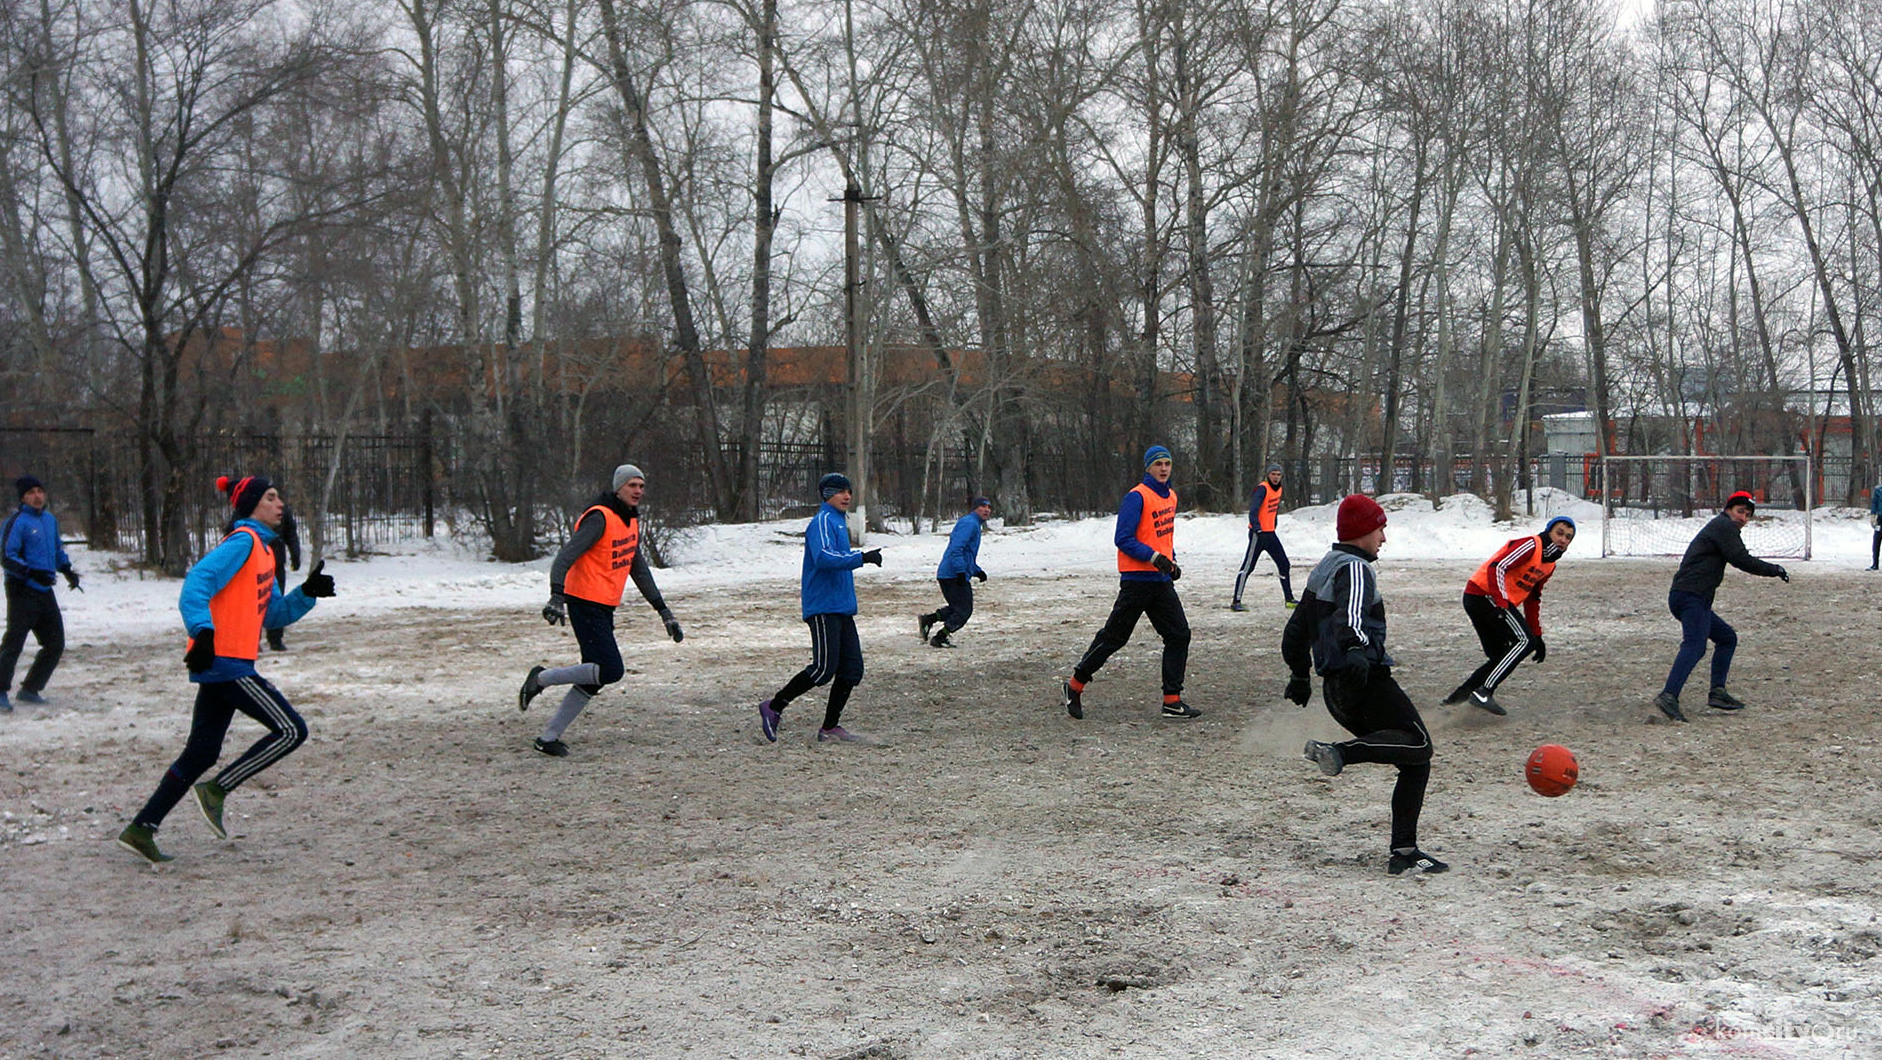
(216, 706)
(1387, 730)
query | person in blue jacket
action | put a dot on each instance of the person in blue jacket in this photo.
(32, 555)
(829, 606)
(1875, 520)
(228, 598)
(960, 562)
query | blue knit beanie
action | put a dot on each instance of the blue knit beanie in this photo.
(832, 484)
(1156, 453)
(1558, 519)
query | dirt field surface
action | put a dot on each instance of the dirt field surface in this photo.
(993, 879)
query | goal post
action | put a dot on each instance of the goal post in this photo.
(1653, 505)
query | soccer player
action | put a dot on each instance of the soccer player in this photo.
(1339, 629)
(1263, 510)
(1875, 521)
(586, 583)
(1504, 602)
(827, 591)
(1701, 570)
(32, 556)
(961, 560)
(1147, 574)
(228, 598)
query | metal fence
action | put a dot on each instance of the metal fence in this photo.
(384, 486)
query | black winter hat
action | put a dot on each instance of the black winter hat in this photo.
(26, 484)
(245, 493)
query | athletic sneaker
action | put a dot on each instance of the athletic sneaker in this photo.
(941, 639)
(6, 705)
(27, 695)
(1291, 604)
(839, 734)
(1669, 706)
(924, 623)
(1180, 709)
(1325, 755)
(1237, 605)
(1073, 701)
(1458, 695)
(768, 721)
(1417, 859)
(552, 748)
(143, 842)
(532, 687)
(277, 640)
(209, 796)
(1717, 699)
(1485, 701)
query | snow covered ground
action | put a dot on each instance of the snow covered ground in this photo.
(993, 879)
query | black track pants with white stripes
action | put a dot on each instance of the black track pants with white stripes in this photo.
(835, 653)
(216, 705)
(1505, 639)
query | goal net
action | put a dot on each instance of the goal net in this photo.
(1653, 505)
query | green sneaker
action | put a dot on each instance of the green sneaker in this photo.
(143, 842)
(209, 796)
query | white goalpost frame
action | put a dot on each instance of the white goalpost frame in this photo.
(1607, 490)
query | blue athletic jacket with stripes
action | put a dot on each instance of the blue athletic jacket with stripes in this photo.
(207, 578)
(828, 586)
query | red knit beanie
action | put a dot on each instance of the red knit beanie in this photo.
(1359, 515)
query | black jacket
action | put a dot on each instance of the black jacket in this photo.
(1703, 567)
(1341, 616)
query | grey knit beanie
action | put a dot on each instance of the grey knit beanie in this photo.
(625, 472)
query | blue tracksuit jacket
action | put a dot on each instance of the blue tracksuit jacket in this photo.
(32, 544)
(828, 586)
(963, 553)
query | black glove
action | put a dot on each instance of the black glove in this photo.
(202, 653)
(43, 577)
(318, 585)
(874, 556)
(1164, 564)
(980, 575)
(1783, 575)
(1299, 690)
(673, 626)
(1542, 650)
(555, 612)
(71, 578)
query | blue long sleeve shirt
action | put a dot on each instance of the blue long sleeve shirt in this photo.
(828, 586)
(1129, 514)
(32, 544)
(210, 575)
(963, 551)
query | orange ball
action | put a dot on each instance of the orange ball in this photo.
(1552, 770)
